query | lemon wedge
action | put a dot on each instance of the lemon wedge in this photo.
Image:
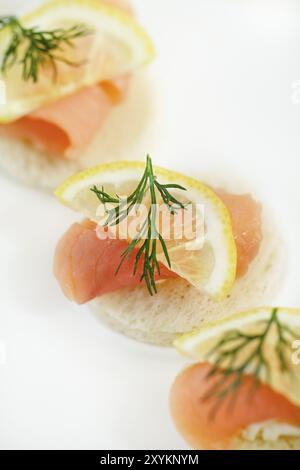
(200, 345)
(116, 45)
(211, 269)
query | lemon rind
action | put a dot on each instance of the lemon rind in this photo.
(217, 327)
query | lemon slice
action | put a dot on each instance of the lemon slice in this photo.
(211, 269)
(116, 46)
(200, 345)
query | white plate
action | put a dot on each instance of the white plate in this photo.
(229, 102)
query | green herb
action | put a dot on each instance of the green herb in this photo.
(148, 236)
(228, 368)
(34, 48)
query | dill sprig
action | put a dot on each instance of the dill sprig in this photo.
(148, 237)
(34, 48)
(238, 353)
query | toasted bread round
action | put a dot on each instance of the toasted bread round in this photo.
(178, 307)
(267, 435)
(282, 443)
(128, 133)
(282, 439)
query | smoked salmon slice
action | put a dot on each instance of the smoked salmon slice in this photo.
(85, 266)
(193, 415)
(246, 217)
(66, 127)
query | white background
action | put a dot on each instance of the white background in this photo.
(225, 73)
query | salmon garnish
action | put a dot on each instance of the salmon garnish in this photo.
(246, 224)
(85, 266)
(66, 127)
(193, 417)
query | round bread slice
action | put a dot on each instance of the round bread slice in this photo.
(269, 435)
(178, 307)
(282, 443)
(128, 130)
